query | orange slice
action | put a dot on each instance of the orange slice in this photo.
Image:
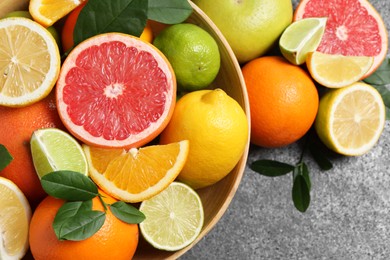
(137, 174)
(47, 12)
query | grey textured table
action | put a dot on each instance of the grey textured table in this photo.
(348, 218)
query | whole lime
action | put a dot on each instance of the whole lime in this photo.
(193, 54)
(251, 27)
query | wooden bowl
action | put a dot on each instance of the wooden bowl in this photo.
(215, 198)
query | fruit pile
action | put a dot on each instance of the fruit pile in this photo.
(108, 134)
(308, 74)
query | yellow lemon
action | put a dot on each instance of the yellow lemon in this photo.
(217, 129)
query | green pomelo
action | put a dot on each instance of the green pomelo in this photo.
(251, 27)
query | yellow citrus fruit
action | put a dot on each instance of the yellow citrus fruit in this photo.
(114, 240)
(336, 71)
(283, 101)
(137, 174)
(350, 120)
(29, 61)
(14, 221)
(47, 12)
(217, 128)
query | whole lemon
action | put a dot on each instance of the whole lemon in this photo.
(217, 128)
(251, 27)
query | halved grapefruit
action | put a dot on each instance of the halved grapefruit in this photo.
(115, 90)
(354, 28)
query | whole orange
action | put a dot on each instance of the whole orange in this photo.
(115, 239)
(283, 101)
(17, 126)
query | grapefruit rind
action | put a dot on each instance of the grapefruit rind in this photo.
(300, 13)
(133, 140)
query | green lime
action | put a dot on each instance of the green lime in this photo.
(193, 54)
(174, 217)
(53, 150)
(300, 38)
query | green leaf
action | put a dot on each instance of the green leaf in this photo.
(5, 157)
(385, 93)
(77, 221)
(127, 213)
(97, 17)
(169, 11)
(319, 157)
(301, 193)
(271, 168)
(301, 169)
(381, 76)
(69, 185)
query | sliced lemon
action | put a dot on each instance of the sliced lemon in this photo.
(300, 38)
(336, 71)
(53, 150)
(137, 174)
(174, 217)
(47, 12)
(350, 120)
(15, 217)
(29, 62)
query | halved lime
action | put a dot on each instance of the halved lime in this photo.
(174, 217)
(53, 149)
(350, 120)
(300, 38)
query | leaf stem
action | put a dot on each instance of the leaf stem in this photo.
(102, 201)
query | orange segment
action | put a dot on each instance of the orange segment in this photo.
(47, 12)
(137, 174)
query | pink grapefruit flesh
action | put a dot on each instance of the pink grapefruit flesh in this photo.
(115, 90)
(353, 28)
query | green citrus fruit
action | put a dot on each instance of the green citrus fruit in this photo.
(193, 54)
(251, 27)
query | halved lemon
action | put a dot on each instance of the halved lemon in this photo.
(174, 217)
(47, 12)
(137, 174)
(29, 62)
(350, 120)
(336, 71)
(14, 221)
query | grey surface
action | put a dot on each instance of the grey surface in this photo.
(348, 217)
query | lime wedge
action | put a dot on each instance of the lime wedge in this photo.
(300, 38)
(174, 217)
(53, 150)
(350, 120)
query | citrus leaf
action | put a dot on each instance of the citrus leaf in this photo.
(319, 157)
(127, 213)
(5, 157)
(271, 168)
(69, 185)
(169, 11)
(301, 169)
(301, 193)
(77, 221)
(385, 93)
(97, 17)
(381, 76)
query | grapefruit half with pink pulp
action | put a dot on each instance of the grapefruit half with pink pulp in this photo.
(353, 28)
(115, 90)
